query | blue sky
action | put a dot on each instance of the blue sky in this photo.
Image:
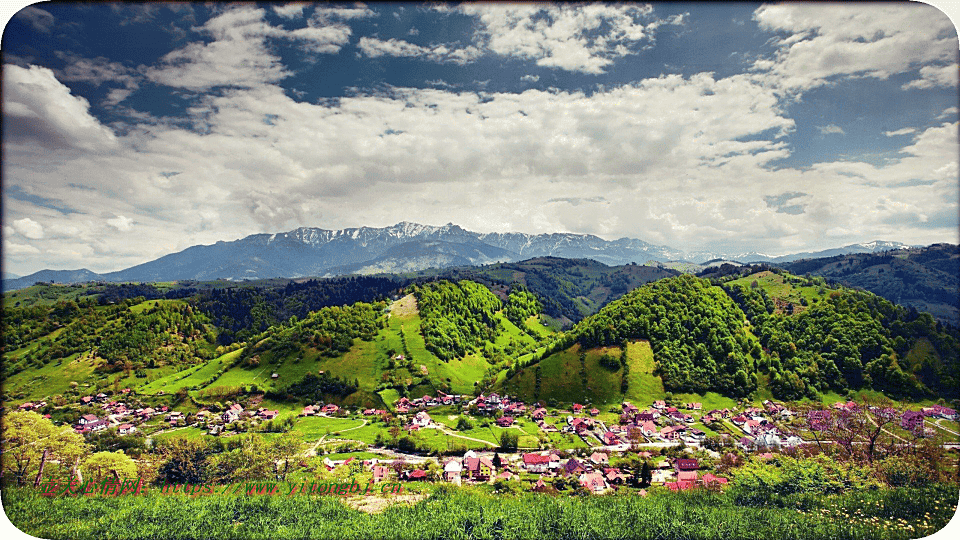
(135, 130)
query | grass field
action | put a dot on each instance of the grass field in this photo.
(312, 428)
(51, 379)
(787, 289)
(561, 381)
(470, 513)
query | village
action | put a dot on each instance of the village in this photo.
(679, 446)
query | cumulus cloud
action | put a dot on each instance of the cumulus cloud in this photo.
(37, 108)
(816, 46)
(292, 10)
(28, 228)
(931, 76)
(375, 48)
(584, 38)
(238, 56)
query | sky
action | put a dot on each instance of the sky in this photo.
(131, 131)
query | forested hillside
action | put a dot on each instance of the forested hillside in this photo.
(377, 337)
(696, 331)
(839, 339)
(926, 279)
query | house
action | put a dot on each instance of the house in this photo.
(538, 414)
(599, 458)
(416, 475)
(269, 414)
(593, 482)
(687, 476)
(945, 412)
(659, 404)
(911, 420)
(479, 468)
(687, 464)
(87, 419)
(594, 411)
(614, 476)
(380, 473)
(505, 475)
(505, 421)
(330, 408)
(577, 408)
(536, 462)
(98, 425)
(451, 471)
(610, 438)
(709, 479)
(86, 400)
(421, 419)
(540, 486)
(572, 466)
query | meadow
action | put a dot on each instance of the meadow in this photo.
(468, 513)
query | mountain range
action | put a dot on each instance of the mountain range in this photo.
(403, 247)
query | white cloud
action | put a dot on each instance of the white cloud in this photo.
(28, 228)
(238, 56)
(359, 11)
(904, 131)
(121, 223)
(838, 40)
(37, 108)
(375, 48)
(931, 76)
(41, 20)
(15, 249)
(830, 129)
(586, 38)
(292, 10)
(530, 78)
(949, 113)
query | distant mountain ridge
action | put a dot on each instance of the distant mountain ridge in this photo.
(404, 247)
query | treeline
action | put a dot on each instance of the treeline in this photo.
(521, 304)
(330, 331)
(243, 312)
(849, 340)
(125, 338)
(695, 330)
(456, 318)
(315, 388)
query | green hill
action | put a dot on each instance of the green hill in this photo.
(769, 333)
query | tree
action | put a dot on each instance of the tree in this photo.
(508, 441)
(26, 435)
(103, 465)
(185, 461)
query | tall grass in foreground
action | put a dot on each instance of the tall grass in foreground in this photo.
(458, 514)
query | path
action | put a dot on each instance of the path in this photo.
(446, 431)
(313, 450)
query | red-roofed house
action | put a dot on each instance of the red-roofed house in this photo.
(593, 482)
(479, 468)
(505, 421)
(535, 462)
